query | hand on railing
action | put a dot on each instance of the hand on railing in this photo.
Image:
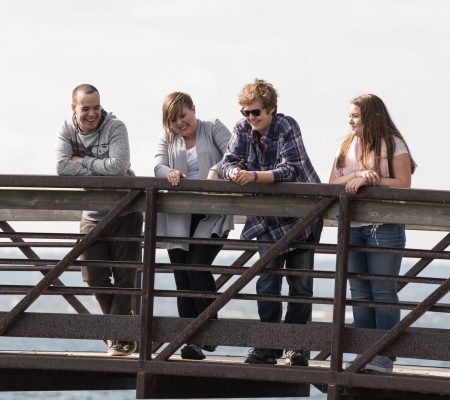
(362, 178)
(175, 176)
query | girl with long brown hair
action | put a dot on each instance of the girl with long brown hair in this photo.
(374, 153)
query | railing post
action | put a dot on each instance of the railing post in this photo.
(340, 288)
(145, 382)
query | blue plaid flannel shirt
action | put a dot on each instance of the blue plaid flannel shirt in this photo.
(281, 151)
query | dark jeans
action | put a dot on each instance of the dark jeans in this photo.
(189, 307)
(130, 224)
(302, 286)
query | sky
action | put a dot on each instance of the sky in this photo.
(319, 54)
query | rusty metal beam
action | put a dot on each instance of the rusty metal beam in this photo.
(142, 183)
(148, 278)
(84, 243)
(340, 287)
(237, 264)
(67, 236)
(423, 343)
(145, 383)
(214, 307)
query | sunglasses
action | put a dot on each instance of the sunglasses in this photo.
(256, 112)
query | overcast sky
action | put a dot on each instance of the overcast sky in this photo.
(319, 55)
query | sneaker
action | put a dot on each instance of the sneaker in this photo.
(208, 347)
(296, 357)
(380, 364)
(261, 356)
(192, 352)
(121, 348)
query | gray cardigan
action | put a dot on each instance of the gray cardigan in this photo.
(211, 142)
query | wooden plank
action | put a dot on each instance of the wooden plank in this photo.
(39, 215)
(102, 200)
(29, 205)
(129, 363)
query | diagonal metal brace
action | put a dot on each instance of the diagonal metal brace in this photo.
(243, 258)
(69, 258)
(423, 262)
(29, 253)
(245, 278)
(394, 333)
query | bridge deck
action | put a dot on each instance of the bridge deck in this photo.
(57, 370)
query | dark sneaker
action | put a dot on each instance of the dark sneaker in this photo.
(380, 364)
(261, 356)
(208, 347)
(121, 348)
(295, 357)
(192, 352)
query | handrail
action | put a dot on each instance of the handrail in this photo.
(27, 196)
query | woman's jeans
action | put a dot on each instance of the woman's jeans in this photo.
(189, 307)
(385, 235)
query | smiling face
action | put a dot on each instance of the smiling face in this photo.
(88, 110)
(263, 120)
(355, 121)
(185, 123)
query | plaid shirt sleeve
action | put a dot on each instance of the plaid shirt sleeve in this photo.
(236, 153)
(295, 165)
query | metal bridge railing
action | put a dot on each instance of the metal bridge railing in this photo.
(60, 198)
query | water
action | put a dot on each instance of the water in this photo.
(166, 306)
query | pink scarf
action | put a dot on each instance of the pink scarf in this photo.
(353, 163)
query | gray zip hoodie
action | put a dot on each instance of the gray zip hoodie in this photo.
(106, 151)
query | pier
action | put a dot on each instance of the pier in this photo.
(156, 371)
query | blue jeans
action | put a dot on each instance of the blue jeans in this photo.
(386, 235)
(302, 286)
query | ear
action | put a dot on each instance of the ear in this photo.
(193, 108)
(73, 107)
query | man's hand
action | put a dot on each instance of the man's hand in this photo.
(241, 176)
(234, 174)
(77, 159)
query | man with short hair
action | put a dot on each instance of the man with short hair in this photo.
(267, 147)
(94, 142)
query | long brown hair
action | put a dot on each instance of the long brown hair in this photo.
(378, 125)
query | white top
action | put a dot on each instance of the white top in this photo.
(400, 148)
(192, 163)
